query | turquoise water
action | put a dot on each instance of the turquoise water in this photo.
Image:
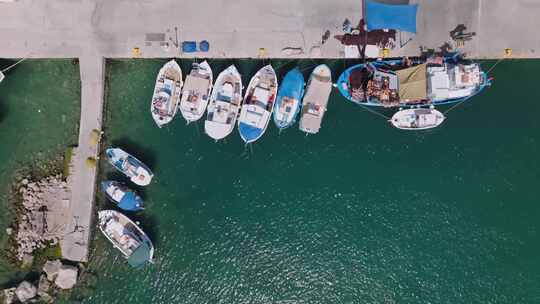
(39, 116)
(359, 213)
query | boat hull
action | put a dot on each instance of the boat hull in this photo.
(130, 166)
(343, 85)
(166, 96)
(224, 105)
(258, 104)
(417, 119)
(121, 196)
(196, 92)
(288, 101)
(315, 101)
(127, 237)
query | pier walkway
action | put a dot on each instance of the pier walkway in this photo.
(92, 30)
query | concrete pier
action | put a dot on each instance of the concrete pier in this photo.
(98, 29)
(83, 180)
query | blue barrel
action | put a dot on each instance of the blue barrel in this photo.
(204, 46)
(189, 46)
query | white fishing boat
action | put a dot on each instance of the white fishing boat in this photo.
(196, 92)
(166, 93)
(417, 119)
(127, 237)
(224, 105)
(315, 100)
(133, 168)
(258, 104)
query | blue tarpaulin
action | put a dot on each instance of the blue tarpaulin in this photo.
(390, 16)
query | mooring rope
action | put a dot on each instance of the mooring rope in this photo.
(490, 69)
(13, 65)
(457, 104)
(493, 66)
(374, 112)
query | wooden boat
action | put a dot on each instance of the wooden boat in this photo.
(122, 196)
(289, 97)
(417, 119)
(315, 101)
(258, 104)
(166, 93)
(127, 237)
(224, 105)
(411, 83)
(133, 168)
(196, 92)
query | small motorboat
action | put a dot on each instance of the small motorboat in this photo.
(224, 105)
(196, 92)
(315, 101)
(133, 168)
(127, 237)
(166, 93)
(258, 104)
(122, 196)
(417, 119)
(288, 101)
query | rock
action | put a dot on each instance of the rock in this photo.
(44, 284)
(24, 181)
(9, 231)
(25, 291)
(51, 269)
(9, 296)
(67, 277)
(27, 260)
(45, 297)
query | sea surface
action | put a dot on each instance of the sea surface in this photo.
(39, 117)
(359, 213)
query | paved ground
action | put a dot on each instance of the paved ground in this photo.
(69, 28)
(93, 30)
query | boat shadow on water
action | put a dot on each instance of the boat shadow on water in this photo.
(148, 224)
(3, 110)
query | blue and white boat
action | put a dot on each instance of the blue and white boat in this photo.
(133, 168)
(122, 196)
(288, 101)
(127, 237)
(258, 104)
(413, 83)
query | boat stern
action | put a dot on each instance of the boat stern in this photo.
(249, 133)
(216, 130)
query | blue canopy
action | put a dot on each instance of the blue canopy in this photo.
(390, 16)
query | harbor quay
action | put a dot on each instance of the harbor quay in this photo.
(95, 30)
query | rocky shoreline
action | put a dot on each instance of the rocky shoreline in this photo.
(42, 218)
(41, 215)
(54, 278)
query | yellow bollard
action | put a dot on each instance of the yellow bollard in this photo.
(95, 137)
(91, 162)
(135, 52)
(508, 52)
(262, 52)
